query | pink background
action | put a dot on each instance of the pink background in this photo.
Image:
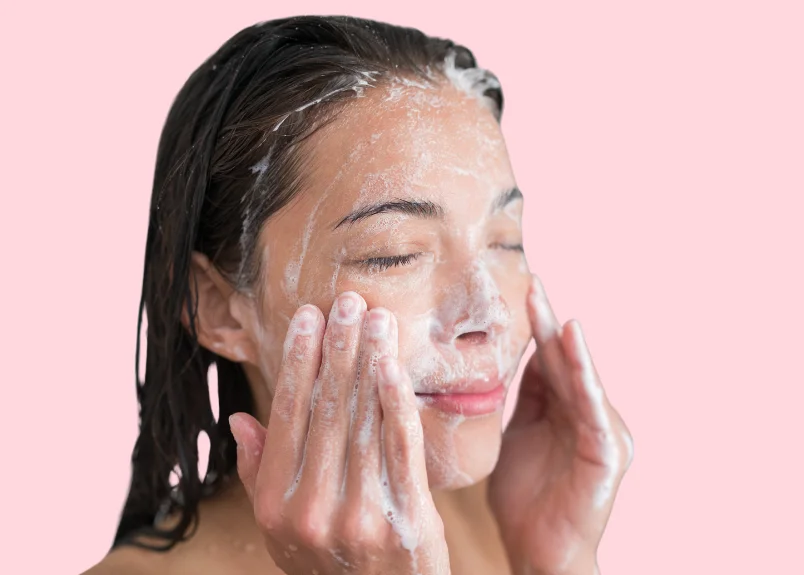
(660, 146)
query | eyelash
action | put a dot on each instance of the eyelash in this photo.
(386, 262)
(383, 263)
(510, 247)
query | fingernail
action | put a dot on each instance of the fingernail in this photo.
(579, 332)
(305, 320)
(236, 426)
(378, 322)
(347, 308)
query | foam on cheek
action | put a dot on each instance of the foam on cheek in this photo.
(333, 280)
(294, 267)
(266, 340)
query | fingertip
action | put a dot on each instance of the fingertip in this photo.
(246, 430)
(577, 331)
(249, 435)
(305, 320)
(237, 426)
(348, 308)
(394, 386)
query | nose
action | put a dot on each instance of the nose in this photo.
(481, 324)
(477, 337)
(480, 314)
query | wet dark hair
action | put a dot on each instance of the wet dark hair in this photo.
(230, 156)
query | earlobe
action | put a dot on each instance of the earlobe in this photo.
(218, 329)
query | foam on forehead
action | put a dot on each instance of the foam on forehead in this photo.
(472, 81)
(403, 116)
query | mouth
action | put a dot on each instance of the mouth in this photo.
(468, 398)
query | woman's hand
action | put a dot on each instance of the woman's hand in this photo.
(563, 454)
(338, 479)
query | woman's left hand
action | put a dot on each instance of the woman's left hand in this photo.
(563, 454)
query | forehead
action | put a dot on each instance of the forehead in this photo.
(407, 139)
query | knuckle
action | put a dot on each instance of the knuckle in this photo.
(360, 533)
(338, 365)
(301, 338)
(268, 514)
(401, 451)
(312, 528)
(340, 350)
(408, 440)
(287, 401)
(298, 348)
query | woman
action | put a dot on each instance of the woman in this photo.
(336, 228)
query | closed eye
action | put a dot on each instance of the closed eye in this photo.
(383, 263)
(510, 247)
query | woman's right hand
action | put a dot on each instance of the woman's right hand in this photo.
(338, 479)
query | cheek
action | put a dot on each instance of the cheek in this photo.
(513, 278)
(277, 307)
(515, 296)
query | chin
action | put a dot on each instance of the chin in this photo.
(460, 451)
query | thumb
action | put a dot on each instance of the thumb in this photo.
(250, 438)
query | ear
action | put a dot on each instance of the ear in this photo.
(214, 299)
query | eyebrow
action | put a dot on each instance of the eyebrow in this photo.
(419, 208)
(505, 198)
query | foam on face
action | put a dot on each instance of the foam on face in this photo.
(472, 302)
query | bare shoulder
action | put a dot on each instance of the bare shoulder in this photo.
(130, 561)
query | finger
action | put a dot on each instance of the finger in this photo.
(380, 336)
(547, 333)
(610, 435)
(403, 438)
(249, 436)
(324, 464)
(590, 400)
(599, 440)
(290, 407)
(543, 320)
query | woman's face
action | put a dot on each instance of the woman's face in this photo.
(411, 202)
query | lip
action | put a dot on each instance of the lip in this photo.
(470, 401)
(480, 383)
